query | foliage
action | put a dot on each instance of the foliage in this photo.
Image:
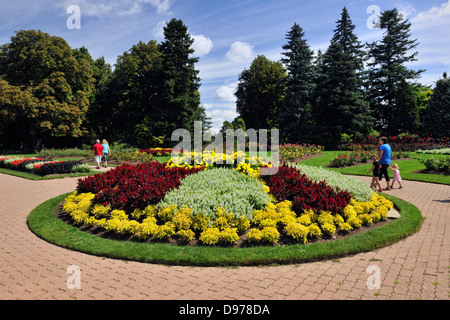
(68, 152)
(437, 165)
(340, 106)
(437, 115)
(294, 117)
(133, 187)
(250, 165)
(289, 183)
(400, 143)
(264, 223)
(291, 152)
(38, 165)
(157, 152)
(445, 151)
(359, 155)
(359, 190)
(260, 93)
(390, 93)
(46, 87)
(209, 190)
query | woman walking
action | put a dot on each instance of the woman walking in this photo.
(384, 154)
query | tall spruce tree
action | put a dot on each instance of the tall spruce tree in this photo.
(339, 106)
(294, 119)
(344, 35)
(180, 101)
(389, 77)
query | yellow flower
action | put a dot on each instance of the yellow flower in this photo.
(210, 236)
(297, 231)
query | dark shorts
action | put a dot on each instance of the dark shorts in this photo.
(105, 157)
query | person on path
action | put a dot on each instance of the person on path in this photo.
(97, 149)
(106, 152)
(376, 173)
(397, 176)
(384, 154)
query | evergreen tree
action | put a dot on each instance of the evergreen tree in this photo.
(436, 118)
(388, 75)
(294, 119)
(180, 99)
(344, 35)
(339, 104)
(260, 93)
(339, 107)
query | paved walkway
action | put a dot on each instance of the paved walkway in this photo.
(30, 268)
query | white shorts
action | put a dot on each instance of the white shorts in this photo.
(97, 158)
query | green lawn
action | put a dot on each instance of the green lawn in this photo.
(407, 167)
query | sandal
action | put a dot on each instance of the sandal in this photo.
(386, 189)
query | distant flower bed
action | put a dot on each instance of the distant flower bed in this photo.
(220, 206)
(359, 155)
(400, 143)
(38, 165)
(157, 152)
(445, 151)
(291, 152)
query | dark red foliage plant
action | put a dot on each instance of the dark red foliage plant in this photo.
(130, 187)
(290, 184)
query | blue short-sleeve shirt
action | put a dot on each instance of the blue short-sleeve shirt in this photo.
(105, 148)
(386, 157)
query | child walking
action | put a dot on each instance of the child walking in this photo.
(397, 176)
(376, 173)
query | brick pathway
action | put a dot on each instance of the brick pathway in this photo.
(30, 268)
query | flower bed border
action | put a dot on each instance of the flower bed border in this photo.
(43, 222)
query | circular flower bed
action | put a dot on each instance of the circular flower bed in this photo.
(203, 204)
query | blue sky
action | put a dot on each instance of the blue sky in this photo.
(229, 34)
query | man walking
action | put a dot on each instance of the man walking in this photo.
(97, 149)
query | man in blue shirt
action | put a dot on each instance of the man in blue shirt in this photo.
(384, 154)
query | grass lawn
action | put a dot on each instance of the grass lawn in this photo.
(407, 167)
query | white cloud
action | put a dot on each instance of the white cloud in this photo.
(158, 30)
(435, 14)
(431, 28)
(202, 45)
(162, 6)
(135, 9)
(101, 8)
(220, 114)
(407, 11)
(226, 93)
(240, 52)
